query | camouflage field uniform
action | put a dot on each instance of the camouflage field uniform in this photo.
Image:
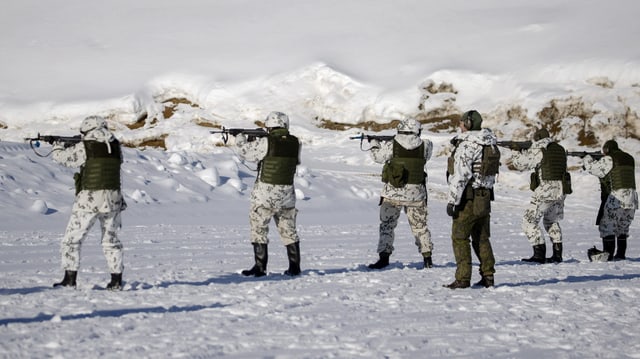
(547, 201)
(620, 205)
(91, 205)
(268, 200)
(412, 198)
(470, 192)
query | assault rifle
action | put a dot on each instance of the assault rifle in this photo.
(252, 133)
(362, 137)
(515, 145)
(595, 154)
(66, 141)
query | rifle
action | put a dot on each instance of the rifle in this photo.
(362, 137)
(595, 154)
(67, 141)
(515, 145)
(252, 133)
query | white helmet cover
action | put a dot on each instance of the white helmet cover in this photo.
(91, 123)
(409, 125)
(277, 119)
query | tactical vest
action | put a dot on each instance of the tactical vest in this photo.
(489, 164)
(411, 161)
(101, 170)
(279, 165)
(622, 175)
(554, 162)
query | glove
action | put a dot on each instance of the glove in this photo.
(451, 210)
(241, 139)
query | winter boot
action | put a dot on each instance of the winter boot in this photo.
(458, 284)
(293, 252)
(69, 279)
(382, 262)
(539, 252)
(428, 263)
(556, 257)
(596, 255)
(261, 255)
(116, 282)
(622, 247)
(609, 246)
(486, 281)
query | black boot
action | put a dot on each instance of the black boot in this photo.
(486, 281)
(622, 248)
(458, 284)
(428, 263)
(69, 279)
(539, 254)
(116, 282)
(293, 253)
(382, 262)
(609, 246)
(261, 255)
(556, 257)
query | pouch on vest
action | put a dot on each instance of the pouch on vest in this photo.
(77, 181)
(566, 183)
(395, 174)
(535, 181)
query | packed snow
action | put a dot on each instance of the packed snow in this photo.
(165, 74)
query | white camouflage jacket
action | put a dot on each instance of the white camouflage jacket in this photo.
(529, 159)
(382, 153)
(265, 194)
(627, 197)
(98, 201)
(469, 150)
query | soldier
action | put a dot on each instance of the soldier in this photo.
(404, 188)
(616, 170)
(471, 173)
(273, 194)
(548, 160)
(98, 197)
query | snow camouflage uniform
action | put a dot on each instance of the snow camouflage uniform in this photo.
(273, 194)
(547, 201)
(98, 197)
(616, 171)
(469, 202)
(410, 197)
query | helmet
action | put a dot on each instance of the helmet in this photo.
(277, 119)
(471, 120)
(91, 123)
(540, 134)
(409, 125)
(609, 147)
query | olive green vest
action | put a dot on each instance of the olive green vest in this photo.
(622, 175)
(279, 165)
(554, 162)
(101, 170)
(412, 161)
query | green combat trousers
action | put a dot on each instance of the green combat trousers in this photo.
(475, 225)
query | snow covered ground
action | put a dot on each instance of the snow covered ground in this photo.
(167, 71)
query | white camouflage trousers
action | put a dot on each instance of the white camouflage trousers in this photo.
(615, 220)
(416, 215)
(284, 218)
(550, 212)
(79, 226)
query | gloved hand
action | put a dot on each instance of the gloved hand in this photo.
(451, 210)
(241, 139)
(374, 143)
